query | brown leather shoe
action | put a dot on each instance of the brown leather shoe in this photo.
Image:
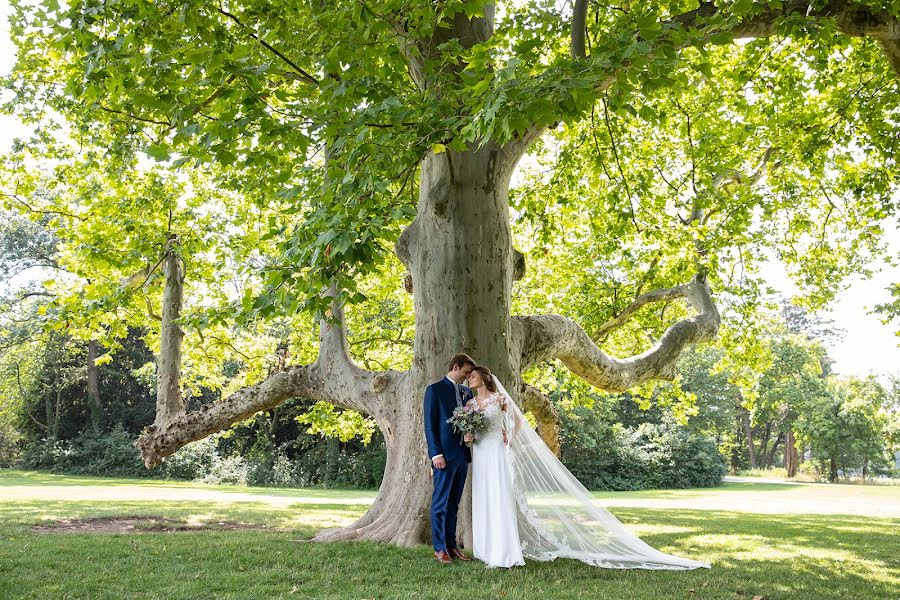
(455, 553)
(443, 557)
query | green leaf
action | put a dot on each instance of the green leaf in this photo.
(159, 152)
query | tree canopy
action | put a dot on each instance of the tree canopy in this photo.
(285, 138)
(293, 148)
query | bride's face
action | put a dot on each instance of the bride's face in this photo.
(475, 380)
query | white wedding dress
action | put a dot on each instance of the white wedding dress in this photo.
(495, 534)
(526, 502)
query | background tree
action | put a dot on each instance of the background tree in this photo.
(678, 158)
(794, 380)
(845, 429)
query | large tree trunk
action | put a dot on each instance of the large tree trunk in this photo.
(748, 434)
(459, 254)
(764, 445)
(790, 453)
(98, 420)
(169, 402)
(770, 459)
(400, 513)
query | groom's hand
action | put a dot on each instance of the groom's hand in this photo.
(439, 462)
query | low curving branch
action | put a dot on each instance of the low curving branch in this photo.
(161, 440)
(549, 337)
(333, 378)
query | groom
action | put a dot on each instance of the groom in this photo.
(450, 458)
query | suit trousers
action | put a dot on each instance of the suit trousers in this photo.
(448, 490)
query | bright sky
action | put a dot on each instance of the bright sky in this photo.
(868, 345)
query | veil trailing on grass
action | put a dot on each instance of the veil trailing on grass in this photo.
(559, 518)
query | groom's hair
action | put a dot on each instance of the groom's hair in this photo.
(460, 360)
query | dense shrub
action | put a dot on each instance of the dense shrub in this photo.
(193, 461)
(607, 456)
(603, 454)
(9, 447)
(328, 463)
(112, 454)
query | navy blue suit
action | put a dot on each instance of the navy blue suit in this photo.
(440, 400)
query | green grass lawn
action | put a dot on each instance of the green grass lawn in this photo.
(772, 556)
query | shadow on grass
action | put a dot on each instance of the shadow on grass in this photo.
(777, 557)
(866, 538)
(725, 488)
(299, 518)
(14, 477)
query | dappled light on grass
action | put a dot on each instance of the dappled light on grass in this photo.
(198, 520)
(324, 516)
(643, 530)
(777, 557)
(303, 516)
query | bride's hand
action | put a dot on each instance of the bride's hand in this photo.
(505, 439)
(469, 438)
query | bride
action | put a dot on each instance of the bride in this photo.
(525, 503)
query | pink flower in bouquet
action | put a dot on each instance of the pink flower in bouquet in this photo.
(468, 419)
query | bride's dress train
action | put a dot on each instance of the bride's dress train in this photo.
(555, 516)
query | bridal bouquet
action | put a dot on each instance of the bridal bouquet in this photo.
(468, 419)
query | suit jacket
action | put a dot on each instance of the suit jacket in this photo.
(440, 400)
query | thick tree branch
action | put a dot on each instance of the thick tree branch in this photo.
(851, 18)
(420, 51)
(579, 28)
(550, 337)
(678, 291)
(159, 441)
(333, 378)
(891, 50)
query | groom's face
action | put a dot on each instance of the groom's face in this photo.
(460, 374)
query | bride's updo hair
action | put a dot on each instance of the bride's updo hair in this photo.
(486, 377)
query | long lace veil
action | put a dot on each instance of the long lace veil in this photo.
(559, 518)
